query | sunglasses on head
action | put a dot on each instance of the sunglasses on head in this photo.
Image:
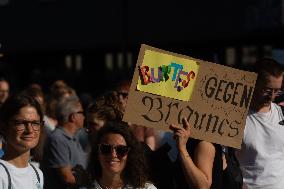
(106, 149)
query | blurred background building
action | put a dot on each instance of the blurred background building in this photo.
(93, 44)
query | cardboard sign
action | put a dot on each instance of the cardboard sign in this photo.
(167, 87)
(167, 75)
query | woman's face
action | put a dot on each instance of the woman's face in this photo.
(24, 130)
(113, 162)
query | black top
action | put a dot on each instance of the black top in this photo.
(217, 172)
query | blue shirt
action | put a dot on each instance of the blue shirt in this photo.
(1, 153)
(62, 150)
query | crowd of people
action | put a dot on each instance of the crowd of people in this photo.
(61, 141)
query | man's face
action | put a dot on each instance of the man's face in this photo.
(4, 91)
(79, 116)
(123, 97)
(267, 90)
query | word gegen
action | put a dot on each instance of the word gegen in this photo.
(147, 75)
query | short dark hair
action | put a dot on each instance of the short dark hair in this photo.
(268, 66)
(135, 169)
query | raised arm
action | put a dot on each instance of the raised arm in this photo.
(197, 169)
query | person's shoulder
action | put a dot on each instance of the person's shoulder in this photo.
(4, 163)
(35, 166)
(95, 185)
(57, 136)
(37, 171)
(277, 110)
(2, 169)
(149, 185)
(207, 146)
(3, 175)
(276, 106)
(56, 132)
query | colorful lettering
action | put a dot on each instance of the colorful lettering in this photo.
(148, 75)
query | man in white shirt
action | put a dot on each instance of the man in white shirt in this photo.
(262, 154)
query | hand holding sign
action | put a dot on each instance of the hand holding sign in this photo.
(181, 134)
(167, 87)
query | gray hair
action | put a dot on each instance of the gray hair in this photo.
(65, 107)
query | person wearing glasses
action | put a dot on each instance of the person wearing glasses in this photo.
(261, 155)
(63, 156)
(117, 160)
(21, 121)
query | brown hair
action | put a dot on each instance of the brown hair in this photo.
(266, 67)
(134, 172)
(11, 107)
(107, 107)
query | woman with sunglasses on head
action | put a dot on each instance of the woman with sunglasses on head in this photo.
(21, 121)
(117, 160)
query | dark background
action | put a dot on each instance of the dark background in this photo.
(94, 44)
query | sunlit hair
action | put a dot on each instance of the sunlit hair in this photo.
(11, 108)
(108, 98)
(65, 107)
(134, 172)
(58, 91)
(106, 113)
(35, 92)
(106, 107)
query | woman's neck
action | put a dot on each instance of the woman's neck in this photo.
(16, 158)
(111, 182)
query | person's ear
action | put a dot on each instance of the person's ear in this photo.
(72, 117)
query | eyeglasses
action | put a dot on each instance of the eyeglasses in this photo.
(79, 112)
(121, 150)
(21, 124)
(270, 91)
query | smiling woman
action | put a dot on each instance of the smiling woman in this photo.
(21, 122)
(117, 159)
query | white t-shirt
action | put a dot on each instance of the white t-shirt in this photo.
(262, 154)
(147, 186)
(21, 178)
